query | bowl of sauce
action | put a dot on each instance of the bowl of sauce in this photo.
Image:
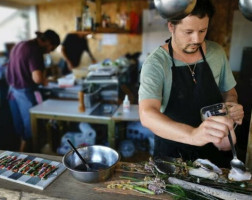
(101, 160)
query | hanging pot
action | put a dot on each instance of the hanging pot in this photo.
(245, 7)
(174, 9)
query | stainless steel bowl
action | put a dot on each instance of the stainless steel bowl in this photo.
(92, 154)
(245, 7)
(174, 9)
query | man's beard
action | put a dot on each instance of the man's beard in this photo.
(192, 51)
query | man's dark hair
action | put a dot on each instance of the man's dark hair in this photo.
(50, 35)
(202, 8)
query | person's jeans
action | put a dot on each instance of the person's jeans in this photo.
(20, 101)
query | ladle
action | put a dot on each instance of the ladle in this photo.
(82, 159)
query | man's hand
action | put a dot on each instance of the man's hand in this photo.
(213, 130)
(235, 111)
(224, 145)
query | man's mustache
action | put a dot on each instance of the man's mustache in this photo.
(194, 44)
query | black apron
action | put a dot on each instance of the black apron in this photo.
(186, 100)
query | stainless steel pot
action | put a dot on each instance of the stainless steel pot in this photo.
(92, 154)
(245, 7)
(174, 9)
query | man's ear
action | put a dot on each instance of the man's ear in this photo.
(170, 26)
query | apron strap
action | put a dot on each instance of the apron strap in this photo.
(170, 51)
(202, 53)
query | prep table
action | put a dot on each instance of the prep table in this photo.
(63, 187)
(67, 187)
(67, 110)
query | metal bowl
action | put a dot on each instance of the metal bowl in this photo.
(92, 154)
(245, 7)
(174, 9)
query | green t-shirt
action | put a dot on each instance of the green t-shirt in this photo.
(156, 73)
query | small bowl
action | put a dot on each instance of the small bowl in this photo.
(97, 154)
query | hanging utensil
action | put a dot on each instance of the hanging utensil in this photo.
(174, 9)
(245, 7)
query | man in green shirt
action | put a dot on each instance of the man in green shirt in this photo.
(177, 80)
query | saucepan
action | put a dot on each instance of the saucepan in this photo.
(101, 159)
(174, 9)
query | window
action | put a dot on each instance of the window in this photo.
(15, 25)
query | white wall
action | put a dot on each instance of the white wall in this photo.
(155, 32)
(19, 26)
(241, 37)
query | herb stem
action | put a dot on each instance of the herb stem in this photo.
(145, 190)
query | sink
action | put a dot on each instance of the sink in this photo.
(104, 110)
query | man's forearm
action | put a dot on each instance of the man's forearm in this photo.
(230, 96)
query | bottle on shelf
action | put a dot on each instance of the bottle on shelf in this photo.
(126, 104)
(87, 20)
(78, 24)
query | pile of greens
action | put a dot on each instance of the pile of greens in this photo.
(156, 182)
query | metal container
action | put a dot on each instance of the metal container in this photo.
(92, 154)
(245, 7)
(91, 98)
(174, 9)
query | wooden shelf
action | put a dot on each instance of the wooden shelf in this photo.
(103, 30)
(110, 30)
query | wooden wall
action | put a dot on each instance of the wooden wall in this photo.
(220, 29)
(61, 18)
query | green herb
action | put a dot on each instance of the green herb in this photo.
(144, 190)
(129, 178)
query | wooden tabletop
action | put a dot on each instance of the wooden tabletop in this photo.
(63, 187)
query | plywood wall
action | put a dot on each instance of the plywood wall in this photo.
(61, 18)
(220, 29)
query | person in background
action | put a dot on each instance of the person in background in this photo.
(177, 80)
(24, 74)
(73, 46)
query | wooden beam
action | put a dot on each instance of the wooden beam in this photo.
(98, 11)
(249, 147)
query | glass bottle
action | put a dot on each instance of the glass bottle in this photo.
(86, 19)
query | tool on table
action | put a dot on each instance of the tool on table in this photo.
(82, 159)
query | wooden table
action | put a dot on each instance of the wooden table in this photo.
(63, 187)
(133, 115)
(66, 110)
(120, 116)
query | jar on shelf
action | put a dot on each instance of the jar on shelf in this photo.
(87, 20)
